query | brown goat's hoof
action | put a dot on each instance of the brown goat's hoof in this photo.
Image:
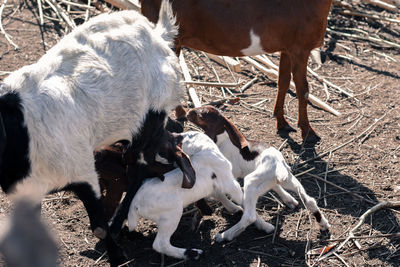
(100, 233)
(286, 129)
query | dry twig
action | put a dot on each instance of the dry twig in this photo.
(8, 37)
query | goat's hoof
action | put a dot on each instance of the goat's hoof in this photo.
(193, 254)
(286, 129)
(311, 138)
(324, 226)
(292, 205)
(100, 233)
(119, 260)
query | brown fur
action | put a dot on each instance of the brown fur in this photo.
(222, 27)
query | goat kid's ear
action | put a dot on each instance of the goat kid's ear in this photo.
(184, 163)
(235, 135)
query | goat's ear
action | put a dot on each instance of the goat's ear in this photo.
(183, 161)
(235, 135)
(3, 136)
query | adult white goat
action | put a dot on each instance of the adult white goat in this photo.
(101, 83)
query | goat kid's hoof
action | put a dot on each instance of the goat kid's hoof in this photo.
(292, 205)
(193, 254)
(100, 233)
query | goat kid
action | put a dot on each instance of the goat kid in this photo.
(111, 165)
(263, 169)
(163, 202)
(98, 85)
(252, 27)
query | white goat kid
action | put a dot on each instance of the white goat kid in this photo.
(163, 202)
(263, 169)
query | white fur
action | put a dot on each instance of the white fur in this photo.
(91, 89)
(267, 171)
(255, 47)
(163, 202)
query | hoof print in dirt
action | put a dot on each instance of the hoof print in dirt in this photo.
(193, 254)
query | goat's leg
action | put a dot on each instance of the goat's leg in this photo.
(95, 209)
(112, 198)
(167, 224)
(299, 70)
(255, 185)
(283, 86)
(292, 184)
(285, 196)
(227, 203)
(123, 209)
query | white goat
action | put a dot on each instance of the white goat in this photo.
(163, 202)
(263, 169)
(98, 85)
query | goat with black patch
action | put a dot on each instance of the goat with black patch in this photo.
(98, 85)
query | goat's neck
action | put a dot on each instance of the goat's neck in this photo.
(240, 166)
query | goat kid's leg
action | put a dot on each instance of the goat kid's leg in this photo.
(167, 224)
(299, 71)
(95, 209)
(286, 197)
(283, 86)
(292, 184)
(254, 186)
(227, 203)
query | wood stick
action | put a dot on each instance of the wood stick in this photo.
(341, 188)
(87, 11)
(8, 37)
(229, 62)
(313, 99)
(381, 4)
(379, 206)
(212, 84)
(188, 78)
(264, 59)
(345, 143)
(124, 4)
(39, 3)
(366, 15)
(367, 38)
(365, 237)
(78, 5)
(248, 84)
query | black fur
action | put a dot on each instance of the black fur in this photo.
(95, 209)
(146, 143)
(15, 164)
(317, 216)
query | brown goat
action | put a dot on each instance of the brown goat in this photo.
(250, 27)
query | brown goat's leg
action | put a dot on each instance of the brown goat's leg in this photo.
(112, 198)
(299, 70)
(283, 86)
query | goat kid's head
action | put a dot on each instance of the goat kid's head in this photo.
(214, 123)
(156, 151)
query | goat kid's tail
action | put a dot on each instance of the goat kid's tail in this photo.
(166, 24)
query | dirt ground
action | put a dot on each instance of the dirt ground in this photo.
(368, 166)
